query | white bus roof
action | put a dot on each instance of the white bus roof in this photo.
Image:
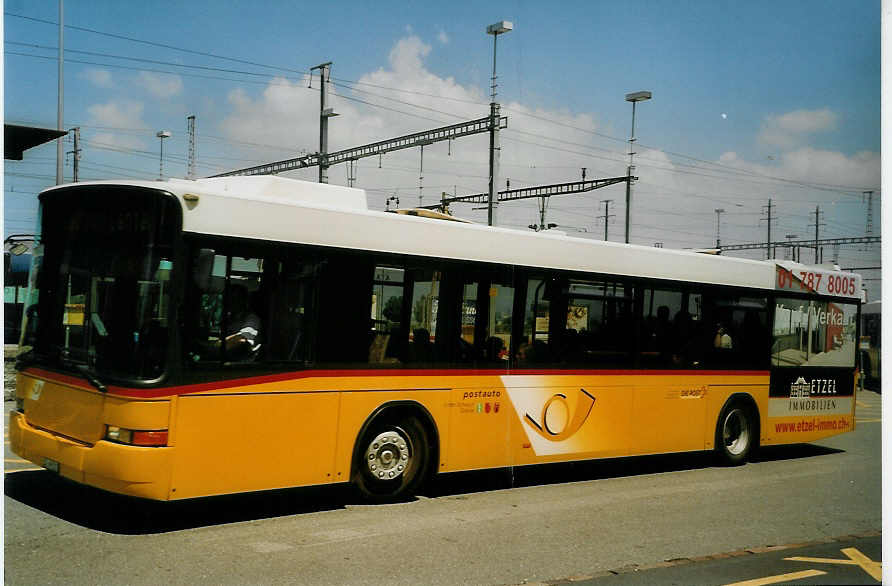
(289, 210)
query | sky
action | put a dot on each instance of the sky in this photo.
(752, 101)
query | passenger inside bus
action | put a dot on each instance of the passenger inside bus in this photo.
(722, 338)
(421, 349)
(243, 331)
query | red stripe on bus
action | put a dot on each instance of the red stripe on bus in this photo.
(301, 374)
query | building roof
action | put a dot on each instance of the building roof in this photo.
(18, 139)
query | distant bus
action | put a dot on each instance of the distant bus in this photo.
(194, 338)
(15, 285)
(871, 347)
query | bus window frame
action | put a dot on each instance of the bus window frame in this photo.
(458, 272)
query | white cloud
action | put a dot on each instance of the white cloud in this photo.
(728, 157)
(286, 114)
(443, 38)
(282, 122)
(408, 55)
(791, 129)
(121, 116)
(161, 86)
(831, 167)
(98, 77)
(673, 201)
(807, 121)
(414, 99)
(815, 167)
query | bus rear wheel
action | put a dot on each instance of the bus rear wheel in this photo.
(735, 434)
(393, 459)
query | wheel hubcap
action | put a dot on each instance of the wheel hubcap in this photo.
(388, 455)
(736, 432)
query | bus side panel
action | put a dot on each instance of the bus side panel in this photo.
(357, 407)
(479, 418)
(243, 442)
(669, 414)
(808, 404)
(562, 418)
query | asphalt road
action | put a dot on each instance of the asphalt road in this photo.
(836, 561)
(595, 521)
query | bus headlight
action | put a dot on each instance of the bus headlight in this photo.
(131, 437)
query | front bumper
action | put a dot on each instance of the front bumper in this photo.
(129, 470)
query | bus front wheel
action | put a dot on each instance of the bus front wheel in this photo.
(392, 460)
(735, 434)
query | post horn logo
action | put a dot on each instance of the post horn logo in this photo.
(556, 423)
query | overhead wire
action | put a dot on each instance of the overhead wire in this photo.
(835, 188)
(154, 43)
(844, 190)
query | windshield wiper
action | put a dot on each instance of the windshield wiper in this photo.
(25, 359)
(91, 378)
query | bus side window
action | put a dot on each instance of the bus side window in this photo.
(230, 312)
(497, 347)
(425, 299)
(735, 331)
(598, 327)
(344, 306)
(210, 313)
(292, 289)
(386, 315)
(670, 333)
(535, 347)
(468, 336)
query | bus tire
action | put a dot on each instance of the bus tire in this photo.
(736, 433)
(392, 459)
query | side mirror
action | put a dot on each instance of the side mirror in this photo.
(202, 268)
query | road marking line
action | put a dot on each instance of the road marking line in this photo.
(875, 569)
(856, 558)
(23, 470)
(12, 461)
(823, 561)
(779, 578)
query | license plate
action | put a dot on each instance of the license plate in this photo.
(51, 465)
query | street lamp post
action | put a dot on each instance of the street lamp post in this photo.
(161, 134)
(495, 30)
(634, 97)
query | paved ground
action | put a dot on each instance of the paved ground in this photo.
(599, 522)
(848, 560)
(9, 352)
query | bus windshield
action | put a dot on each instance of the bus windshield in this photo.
(100, 296)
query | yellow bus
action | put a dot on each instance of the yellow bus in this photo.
(192, 338)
